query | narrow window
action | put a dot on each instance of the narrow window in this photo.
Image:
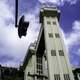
(66, 77)
(54, 23)
(56, 77)
(48, 22)
(39, 64)
(50, 35)
(39, 78)
(61, 52)
(53, 52)
(57, 35)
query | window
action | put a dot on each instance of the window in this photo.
(57, 35)
(54, 23)
(61, 52)
(39, 78)
(53, 52)
(48, 22)
(66, 77)
(50, 35)
(39, 60)
(56, 77)
(39, 64)
(39, 71)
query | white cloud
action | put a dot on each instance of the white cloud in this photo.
(58, 2)
(5, 13)
(72, 1)
(10, 44)
(78, 52)
(73, 38)
(53, 1)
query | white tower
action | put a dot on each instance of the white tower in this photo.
(49, 49)
(58, 62)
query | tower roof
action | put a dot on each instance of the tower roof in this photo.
(49, 12)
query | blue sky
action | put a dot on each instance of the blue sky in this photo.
(13, 49)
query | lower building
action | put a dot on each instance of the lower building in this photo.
(9, 73)
(33, 65)
(76, 72)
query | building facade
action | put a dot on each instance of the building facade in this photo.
(76, 72)
(9, 73)
(33, 65)
(48, 60)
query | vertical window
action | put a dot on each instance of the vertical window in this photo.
(53, 52)
(57, 35)
(56, 77)
(39, 64)
(61, 52)
(48, 22)
(39, 78)
(50, 35)
(66, 77)
(54, 23)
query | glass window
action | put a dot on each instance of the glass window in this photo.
(39, 64)
(48, 22)
(66, 77)
(54, 23)
(61, 52)
(39, 78)
(56, 76)
(39, 60)
(53, 52)
(57, 35)
(50, 35)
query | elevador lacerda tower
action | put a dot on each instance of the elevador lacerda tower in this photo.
(47, 58)
(57, 56)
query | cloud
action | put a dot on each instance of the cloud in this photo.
(58, 2)
(72, 1)
(13, 49)
(72, 40)
(78, 53)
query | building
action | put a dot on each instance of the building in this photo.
(76, 72)
(48, 59)
(9, 73)
(32, 65)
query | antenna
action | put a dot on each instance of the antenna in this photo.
(23, 25)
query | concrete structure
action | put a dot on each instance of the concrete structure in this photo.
(33, 64)
(9, 73)
(76, 72)
(48, 55)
